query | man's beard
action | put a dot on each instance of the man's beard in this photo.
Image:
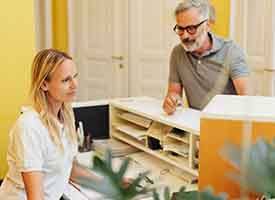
(193, 45)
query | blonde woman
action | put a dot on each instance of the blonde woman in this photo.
(43, 142)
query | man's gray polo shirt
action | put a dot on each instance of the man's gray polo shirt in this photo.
(212, 73)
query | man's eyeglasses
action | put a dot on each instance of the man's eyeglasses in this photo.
(192, 29)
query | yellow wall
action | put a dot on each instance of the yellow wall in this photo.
(16, 54)
(60, 36)
(222, 8)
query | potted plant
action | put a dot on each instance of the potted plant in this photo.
(259, 176)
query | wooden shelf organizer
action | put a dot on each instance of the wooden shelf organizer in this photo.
(137, 120)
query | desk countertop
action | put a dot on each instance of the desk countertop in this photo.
(184, 118)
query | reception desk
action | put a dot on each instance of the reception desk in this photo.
(233, 119)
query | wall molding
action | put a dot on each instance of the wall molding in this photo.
(43, 24)
(232, 18)
(273, 32)
(71, 30)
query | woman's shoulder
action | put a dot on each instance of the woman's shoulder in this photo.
(29, 119)
(28, 129)
(29, 116)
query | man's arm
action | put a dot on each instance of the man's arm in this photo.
(241, 85)
(239, 70)
(33, 182)
(170, 101)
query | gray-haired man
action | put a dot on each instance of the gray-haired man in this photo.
(203, 64)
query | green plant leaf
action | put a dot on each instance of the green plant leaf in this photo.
(111, 185)
(123, 168)
(260, 166)
(195, 195)
(232, 154)
(167, 193)
(108, 159)
(155, 195)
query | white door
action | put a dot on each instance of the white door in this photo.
(98, 42)
(151, 39)
(252, 26)
(111, 36)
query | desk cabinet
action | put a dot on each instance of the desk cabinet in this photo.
(142, 123)
(236, 120)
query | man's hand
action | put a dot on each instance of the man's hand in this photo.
(173, 98)
(170, 103)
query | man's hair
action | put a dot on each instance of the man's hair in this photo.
(202, 5)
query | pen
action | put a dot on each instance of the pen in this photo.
(147, 179)
(74, 186)
(178, 101)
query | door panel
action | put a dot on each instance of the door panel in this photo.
(151, 41)
(97, 37)
(139, 32)
(252, 29)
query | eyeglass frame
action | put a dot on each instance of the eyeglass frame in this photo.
(196, 26)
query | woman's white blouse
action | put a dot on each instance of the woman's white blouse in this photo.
(31, 149)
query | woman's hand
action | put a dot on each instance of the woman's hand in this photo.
(126, 182)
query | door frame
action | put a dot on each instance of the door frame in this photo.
(43, 24)
(71, 16)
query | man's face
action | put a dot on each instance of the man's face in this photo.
(192, 18)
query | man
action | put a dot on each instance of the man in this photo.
(203, 64)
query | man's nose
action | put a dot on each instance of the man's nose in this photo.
(184, 34)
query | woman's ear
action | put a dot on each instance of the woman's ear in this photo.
(44, 86)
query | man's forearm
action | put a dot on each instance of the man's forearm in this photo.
(241, 85)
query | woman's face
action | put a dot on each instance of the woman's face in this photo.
(63, 83)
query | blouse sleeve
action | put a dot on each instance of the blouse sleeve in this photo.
(27, 145)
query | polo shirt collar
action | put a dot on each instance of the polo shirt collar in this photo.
(217, 44)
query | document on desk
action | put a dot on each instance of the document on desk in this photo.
(184, 118)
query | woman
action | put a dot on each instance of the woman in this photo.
(43, 141)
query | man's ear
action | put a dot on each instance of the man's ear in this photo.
(45, 86)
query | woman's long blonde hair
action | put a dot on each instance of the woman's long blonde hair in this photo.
(44, 65)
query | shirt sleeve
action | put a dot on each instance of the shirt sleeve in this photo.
(27, 146)
(173, 71)
(237, 64)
